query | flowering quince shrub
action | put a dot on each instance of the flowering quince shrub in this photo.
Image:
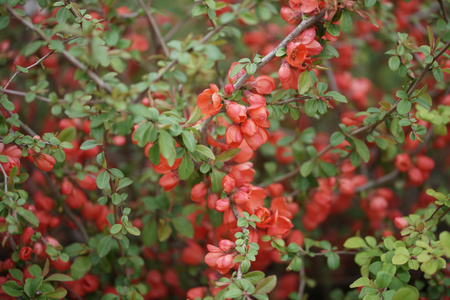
(224, 149)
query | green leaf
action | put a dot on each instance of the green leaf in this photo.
(383, 279)
(104, 246)
(4, 21)
(80, 267)
(102, 179)
(28, 215)
(337, 96)
(183, 226)
(89, 144)
(355, 242)
(186, 168)
(189, 140)
(216, 180)
(394, 63)
(116, 228)
(337, 138)
(167, 147)
(404, 106)
(254, 277)
(311, 107)
(164, 232)
(59, 293)
(333, 261)
(59, 277)
(12, 288)
(251, 68)
(362, 281)
(362, 150)
(205, 151)
(346, 22)
(307, 168)
(304, 82)
(227, 155)
(438, 75)
(407, 292)
(233, 293)
(266, 285)
(133, 230)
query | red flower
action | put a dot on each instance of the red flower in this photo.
(209, 101)
(304, 46)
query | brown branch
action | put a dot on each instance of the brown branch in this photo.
(294, 99)
(444, 10)
(302, 281)
(155, 27)
(300, 28)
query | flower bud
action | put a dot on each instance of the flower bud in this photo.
(169, 181)
(198, 192)
(228, 183)
(222, 204)
(226, 245)
(240, 198)
(44, 161)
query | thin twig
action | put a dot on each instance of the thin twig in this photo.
(23, 94)
(444, 10)
(28, 68)
(74, 61)
(302, 282)
(155, 27)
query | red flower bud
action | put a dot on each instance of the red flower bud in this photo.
(25, 253)
(400, 223)
(402, 162)
(425, 163)
(169, 181)
(44, 161)
(241, 198)
(198, 192)
(222, 204)
(228, 183)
